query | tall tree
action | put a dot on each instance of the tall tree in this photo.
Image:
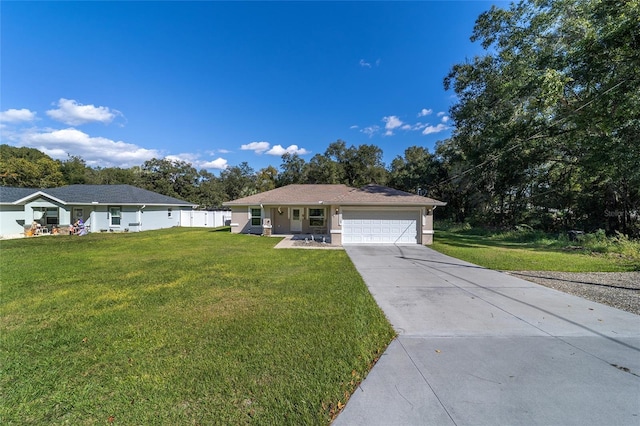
(545, 114)
(74, 170)
(293, 170)
(321, 169)
(115, 176)
(357, 166)
(28, 168)
(365, 166)
(238, 181)
(168, 177)
(209, 193)
(20, 172)
(266, 179)
(418, 171)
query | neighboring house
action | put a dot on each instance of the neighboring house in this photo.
(372, 214)
(101, 207)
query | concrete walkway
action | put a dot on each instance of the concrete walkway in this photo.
(478, 347)
(304, 241)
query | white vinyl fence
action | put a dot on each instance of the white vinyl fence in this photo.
(205, 218)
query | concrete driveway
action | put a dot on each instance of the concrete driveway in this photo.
(479, 347)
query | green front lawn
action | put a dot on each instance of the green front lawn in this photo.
(180, 326)
(513, 252)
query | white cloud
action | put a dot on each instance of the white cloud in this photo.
(257, 147)
(218, 164)
(413, 127)
(186, 157)
(195, 161)
(441, 113)
(355, 126)
(435, 129)
(392, 122)
(71, 112)
(213, 152)
(291, 149)
(371, 130)
(364, 64)
(99, 151)
(96, 151)
(265, 148)
(17, 115)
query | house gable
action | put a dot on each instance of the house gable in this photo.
(376, 212)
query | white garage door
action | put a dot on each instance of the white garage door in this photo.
(379, 226)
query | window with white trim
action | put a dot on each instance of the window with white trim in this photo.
(256, 217)
(316, 217)
(115, 214)
(45, 215)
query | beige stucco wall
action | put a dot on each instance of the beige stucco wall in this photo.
(334, 227)
(281, 222)
(239, 220)
(427, 227)
(280, 219)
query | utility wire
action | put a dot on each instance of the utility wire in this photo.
(538, 135)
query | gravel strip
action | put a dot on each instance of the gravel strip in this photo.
(617, 289)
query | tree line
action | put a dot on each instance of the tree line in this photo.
(548, 120)
(340, 164)
(546, 129)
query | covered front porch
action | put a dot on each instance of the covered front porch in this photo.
(314, 223)
(310, 220)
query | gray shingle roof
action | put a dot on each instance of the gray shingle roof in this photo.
(335, 194)
(88, 194)
(10, 194)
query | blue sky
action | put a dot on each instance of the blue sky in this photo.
(217, 83)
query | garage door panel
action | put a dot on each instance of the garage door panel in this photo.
(378, 227)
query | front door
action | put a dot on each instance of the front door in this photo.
(296, 220)
(78, 213)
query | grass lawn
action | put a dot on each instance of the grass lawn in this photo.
(505, 253)
(180, 326)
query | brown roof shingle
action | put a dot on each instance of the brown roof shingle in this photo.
(334, 194)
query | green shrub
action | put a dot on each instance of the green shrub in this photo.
(451, 226)
(507, 251)
(619, 243)
(522, 234)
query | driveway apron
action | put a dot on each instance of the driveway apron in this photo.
(480, 347)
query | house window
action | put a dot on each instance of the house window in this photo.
(255, 217)
(52, 215)
(115, 215)
(169, 212)
(46, 215)
(316, 217)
